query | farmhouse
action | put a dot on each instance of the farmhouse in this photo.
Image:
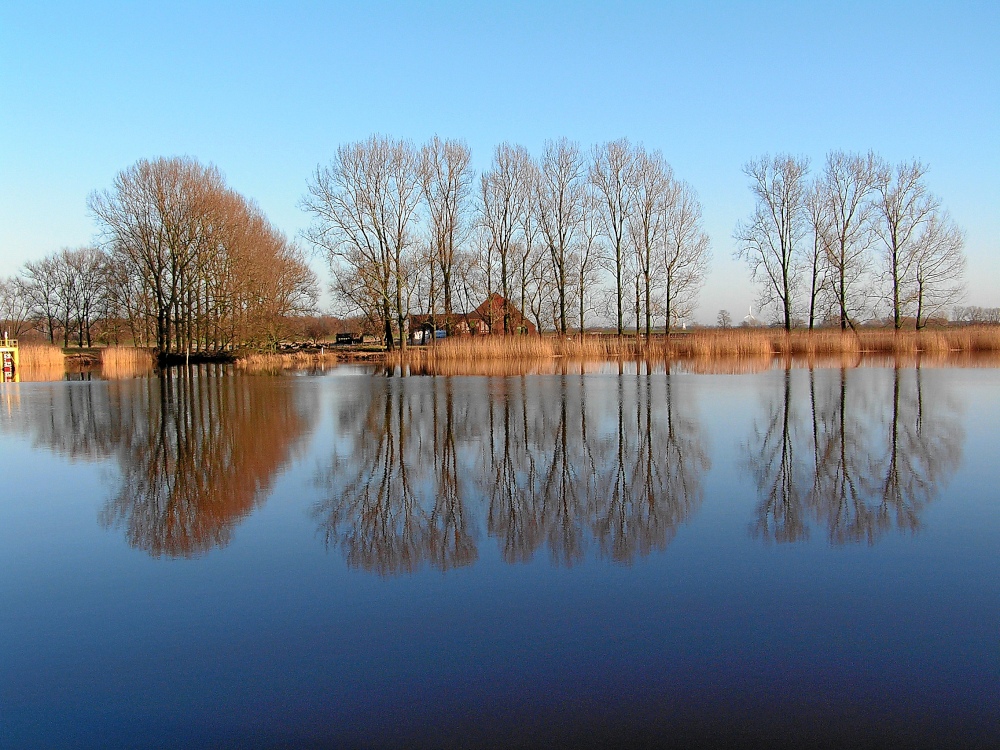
(485, 319)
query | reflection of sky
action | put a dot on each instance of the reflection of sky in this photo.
(273, 637)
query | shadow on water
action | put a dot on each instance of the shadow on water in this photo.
(853, 455)
(197, 451)
(562, 463)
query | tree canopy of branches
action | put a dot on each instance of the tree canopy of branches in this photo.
(559, 201)
(769, 240)
(505, 198)
(194, 261)
(364, 207)
(812, 243)
(446, 177)
(396, 223)
(613, 174)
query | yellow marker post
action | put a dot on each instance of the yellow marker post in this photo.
(10, 361)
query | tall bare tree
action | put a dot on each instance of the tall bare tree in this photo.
(586, 257)
(939, 267)
(813, 263)
(848, 183)
(652, 185)
(612, 173)
(559, 201)
(685, 254)
(505, 199)
(769, 240)
(446, 177)
(905, 207)
(364, 209)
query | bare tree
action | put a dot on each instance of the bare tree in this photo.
(905, 206)
(769, 240)
(559, 202)
(447, 178)
(364, 204)
(813, 259)
(195, 261)
(150, 218)
(586, 257)
(724, 319)
(15, 307)
(685, 254)
(41, 285)
(86, 267)
(848, 183)
(506, 197)
(612, 173)
(939, 267)
(651, 195)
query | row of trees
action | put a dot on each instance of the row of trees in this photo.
(862, 235)
(185, 264)
(410, 229)
(64, 293)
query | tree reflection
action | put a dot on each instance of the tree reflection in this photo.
(197, 450)
(657, 462)
(198, 454)
(558, 462)
(394, 497)
(865, 457)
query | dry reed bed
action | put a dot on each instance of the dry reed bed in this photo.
(41, 357)
(120, 362)
(740, 343)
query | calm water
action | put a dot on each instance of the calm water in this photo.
(784, 558)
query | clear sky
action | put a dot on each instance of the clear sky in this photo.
(266, 91)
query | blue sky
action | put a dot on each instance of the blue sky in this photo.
(266, 91)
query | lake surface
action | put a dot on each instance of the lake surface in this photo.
(788, 558)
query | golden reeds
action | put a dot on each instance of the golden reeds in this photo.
(41, 356)
(700, 349)
(118, 362)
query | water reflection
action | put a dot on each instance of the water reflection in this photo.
(557, 462)
(854, 453)
(196, 451)
(424, 470)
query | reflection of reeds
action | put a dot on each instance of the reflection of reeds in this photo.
(41, 362)
(119, 362)
(274, 363)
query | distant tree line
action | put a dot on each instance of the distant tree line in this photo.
(184, 264)
(861, 238)
(562, 236)
(975, 314)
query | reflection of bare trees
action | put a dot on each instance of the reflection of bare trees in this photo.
(556, 462)
(394, 498)
(657, 462)
(851, 453)
(198, 453)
